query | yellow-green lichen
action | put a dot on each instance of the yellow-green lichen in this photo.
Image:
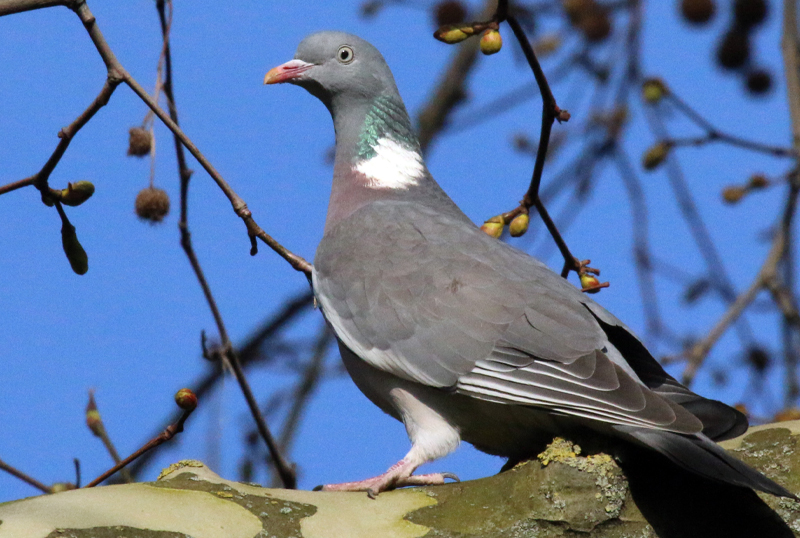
(607, 476)
(178, 466)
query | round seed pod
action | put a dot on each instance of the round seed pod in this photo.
(152, 204)
(698, 11)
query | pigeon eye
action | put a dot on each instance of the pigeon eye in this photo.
(345, 54)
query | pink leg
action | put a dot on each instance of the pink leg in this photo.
(399, 475)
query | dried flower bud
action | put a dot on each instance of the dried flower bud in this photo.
(589, 283)
(152, 204)
(759, 81)
(449, 12)
(519, 225)
(697, 11)
(758, 181)
(186, 399)
(139, 142)
(596, 26)
(453, 34)
(759, 359)
(653, 90)
(93, 420)
(733, 194)
(77, 257)
(656, 155)
(734, 49)
(491, 42)
(77, 193)
(576, 10)
(371, 8)
(749, 13)
(59, 487)
(792, 413)
(547, 44)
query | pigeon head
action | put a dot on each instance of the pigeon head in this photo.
(339, 69)
(377, 152)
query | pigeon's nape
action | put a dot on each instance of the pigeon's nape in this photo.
(459, 335)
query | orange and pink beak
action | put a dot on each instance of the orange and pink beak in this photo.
(287, 72)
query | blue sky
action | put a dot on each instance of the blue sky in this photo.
(130, 327)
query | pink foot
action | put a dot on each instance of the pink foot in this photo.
(398, 476)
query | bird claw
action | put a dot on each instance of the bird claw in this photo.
(451, 476)
(385, 482)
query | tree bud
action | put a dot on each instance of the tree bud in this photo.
(491, 42)
(589, 283)
(186, 399)
(655, 155)
(733, 194)
(494, 226)
(758, 181)
(77, 193)
(519, 225)
(77, 257)
(452, 34)
(653, 90)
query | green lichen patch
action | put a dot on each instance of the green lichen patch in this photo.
(774, 452)
(278, 517)
(569, 494)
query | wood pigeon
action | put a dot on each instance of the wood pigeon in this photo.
(461, 336)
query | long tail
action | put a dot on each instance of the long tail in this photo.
(702, 456)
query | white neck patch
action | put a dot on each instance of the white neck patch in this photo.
(392, 167)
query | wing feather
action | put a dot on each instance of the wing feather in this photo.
(432, 299)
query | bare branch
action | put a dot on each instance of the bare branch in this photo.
(13, 471)
(249, 353)
(39, 180)
(28, 181)
(169, 432)
(9, 7)
(766, 276)
(117, 72)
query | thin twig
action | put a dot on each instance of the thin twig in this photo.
(118, 73)
(550, 112)
(249, 353)
(169, 432)
(40, 179)
(285, 470)
(95, 423)
(9, 7)
(18, 184)
(705, 245)
(719, 136)
(766, 275)
(641, 243)
(13, 471)
(306, 385)
(450, 89)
